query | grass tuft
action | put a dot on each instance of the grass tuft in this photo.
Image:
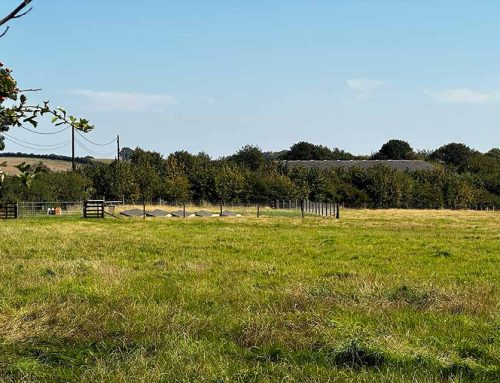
(412, 296)
(355, 354)
(442, 254)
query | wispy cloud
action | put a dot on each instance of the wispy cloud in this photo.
(207, 99)
(464, 96)
(110, 101)
(363, 87)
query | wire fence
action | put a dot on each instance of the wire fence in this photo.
(36, 209)
(477, 207)
(75, 208)
(324, 209)
(277, 207)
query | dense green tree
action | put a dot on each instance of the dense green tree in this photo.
(299, 177)
(495, 153)
(454, 154)
(61, 186)
(201, 178)
(428, 191)
(268, 186)
(184, 161)
(47, 186)
(147, 181)
(153, 159)
(176, 188)
(395, 150)
(250, 157)
(382, 187)
(102, 179)
(457, 192)
(307, 151)
(229, 182)
(126, 154)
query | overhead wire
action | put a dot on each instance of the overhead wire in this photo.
(33, 148)
(77, 131)
(95, 143)
(33, 144)
(90, 151)
(45, 133)
(60, 145)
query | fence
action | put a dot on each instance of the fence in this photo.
(325, 209)
(33, 209)
(477, 207)
(9, 210)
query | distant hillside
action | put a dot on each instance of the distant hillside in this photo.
(57, 165)
(53, 162)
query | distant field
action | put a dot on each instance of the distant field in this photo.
(56, 165)
(378, 296)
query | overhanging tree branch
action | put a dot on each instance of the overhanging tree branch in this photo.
(18, 12)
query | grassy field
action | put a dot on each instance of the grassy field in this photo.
(55, 165)
(378, 296)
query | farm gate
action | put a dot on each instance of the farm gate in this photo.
(93, 209)
(8, 210)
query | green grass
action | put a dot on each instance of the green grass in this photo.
(378, 296)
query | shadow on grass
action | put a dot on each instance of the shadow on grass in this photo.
(356, 355)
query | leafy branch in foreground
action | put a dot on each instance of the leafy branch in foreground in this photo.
(16, 13)
(29, 172)
(21, 112)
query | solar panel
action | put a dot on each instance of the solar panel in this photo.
(132, 213)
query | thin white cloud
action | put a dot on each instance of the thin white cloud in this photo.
(464, 96)
(110, 101)
(363, 87)
(207, 99)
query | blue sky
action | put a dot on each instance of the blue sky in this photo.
(215, 75)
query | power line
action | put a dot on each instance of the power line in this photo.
(92, 151)
(60, 145)
(32, 148)
(45, 133)
(95, 143)
(33, 144)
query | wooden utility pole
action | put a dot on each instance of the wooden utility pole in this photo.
(73, 148)
(118, 147)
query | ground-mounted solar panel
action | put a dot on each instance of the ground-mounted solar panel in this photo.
(180, 213)
(158, 213)
(132, 213)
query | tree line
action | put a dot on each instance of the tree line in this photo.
(461, 178)
(56, 157)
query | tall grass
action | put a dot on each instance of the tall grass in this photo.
(387, 296)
